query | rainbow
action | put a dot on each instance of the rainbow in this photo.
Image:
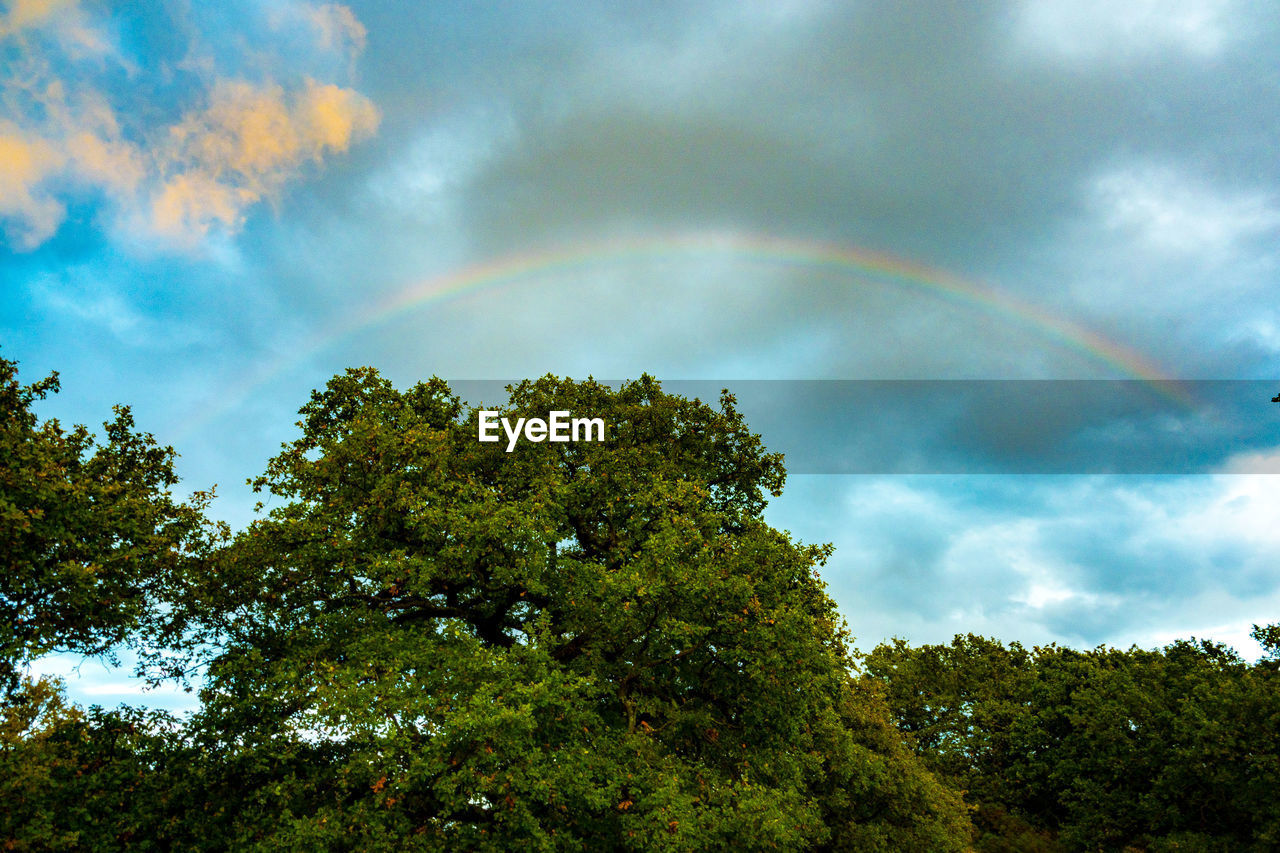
(741, 247)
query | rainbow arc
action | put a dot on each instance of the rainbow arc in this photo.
(857, 264)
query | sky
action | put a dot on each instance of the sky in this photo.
(1055, 219)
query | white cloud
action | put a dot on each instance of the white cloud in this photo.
(26, 162)
(93, 681)
(1016, 544)
(1077, 560)
(93, 300)
(426, 178)
(114, 688)
(245, 145)
(1092, 31)
(104, 308)
(237, 144)
(1172, 212)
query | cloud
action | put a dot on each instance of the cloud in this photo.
(25, 164)
(1172, 212)
(63, 22)
(1084, 31)
(336, 26)
(858, 124)
(31, 13)
(1081, 560)
(1260, 462)
(91, 681)
(1179, 252)
(246, 144)
(64, 19)
(107, 162)
(81, 126)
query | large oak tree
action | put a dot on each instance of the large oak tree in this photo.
(432, 642)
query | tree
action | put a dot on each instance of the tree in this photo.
(89, 533)
(432, 642)
(72, 779)
(1060, 749)
(1268, 636)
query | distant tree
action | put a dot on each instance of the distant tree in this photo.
(89, 532)
(1268, 636)
(1058, 749)
(432, 643)
(72, 779)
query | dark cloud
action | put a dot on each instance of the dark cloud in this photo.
(961, 138)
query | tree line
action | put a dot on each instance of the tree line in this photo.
(431, 643)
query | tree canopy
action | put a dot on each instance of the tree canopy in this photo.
(91, 539)
(430, 642)
(1060, 749)
(594, 644)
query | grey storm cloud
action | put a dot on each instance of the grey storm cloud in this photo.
(1009, 143)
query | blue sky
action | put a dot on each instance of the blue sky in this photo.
(201, 205)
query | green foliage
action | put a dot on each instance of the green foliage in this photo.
(593, 645)
(90, 537)
(95, 780)
(430, 643)
(1103, 749)
(1268, 636)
